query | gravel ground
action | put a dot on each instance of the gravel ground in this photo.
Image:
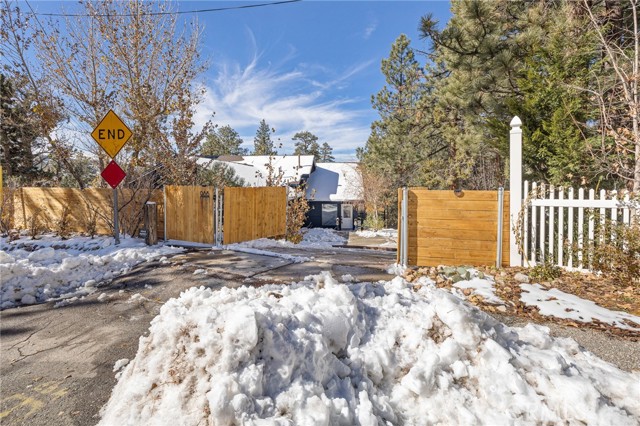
(622, 353)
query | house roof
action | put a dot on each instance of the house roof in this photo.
(254, 169)
(335, 182)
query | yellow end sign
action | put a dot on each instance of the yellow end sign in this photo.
(111, 134)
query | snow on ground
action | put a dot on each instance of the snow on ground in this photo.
(551, 302)
(386, 233)
(311, 238)
(324, 353)
(34, 271)
(559, 304)
(390, 236)
(321, 238)
(482, 287)
(240, 247)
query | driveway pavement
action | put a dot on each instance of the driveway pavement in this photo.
(56, 363)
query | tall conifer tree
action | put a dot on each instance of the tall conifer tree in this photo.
(263, 145)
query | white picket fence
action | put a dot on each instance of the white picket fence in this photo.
(561, 229)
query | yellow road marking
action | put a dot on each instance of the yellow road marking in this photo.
(22, 401)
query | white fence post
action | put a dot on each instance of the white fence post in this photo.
(515, 187)
(404, 260)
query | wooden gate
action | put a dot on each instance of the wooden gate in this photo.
(445, 228)
(190, 215)
(251, 213)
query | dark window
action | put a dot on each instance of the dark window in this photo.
(329, 214)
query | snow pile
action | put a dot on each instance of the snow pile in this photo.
(311, 238)
(33, 271)
(563, 305)
(321, 238)
(391, 234)
(323, 353)
(261, 243)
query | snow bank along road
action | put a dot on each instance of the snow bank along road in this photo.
(57, 363)
(324, 352)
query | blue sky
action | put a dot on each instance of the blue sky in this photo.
(311, 65)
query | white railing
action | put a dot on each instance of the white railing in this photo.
(561, 229)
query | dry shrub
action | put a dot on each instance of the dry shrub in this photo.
(619, 257)
(373, 221)
(35, 223)
(546, 271)
(90, 221)
(296, 214)
(7, 210)
(63, 225)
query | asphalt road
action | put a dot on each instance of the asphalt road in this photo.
(57, 363)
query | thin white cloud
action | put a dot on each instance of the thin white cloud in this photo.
(370, 29)
(290, 101)
(340, 80)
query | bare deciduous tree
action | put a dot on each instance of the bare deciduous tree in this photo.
(123, 56)
(616, 92)
(17, 35)
(376, 194)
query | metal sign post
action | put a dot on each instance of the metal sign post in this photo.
(116, 227)
(112, 134)
(113, 175)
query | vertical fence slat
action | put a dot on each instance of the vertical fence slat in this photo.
(399, 254)
(570, 231)
(560, 229)
(625, 210)
(614, 219)
(542, 240)
(551, 234)
(580, 229)
(534, 224)
(525, 231)
(603, 196)
(592, 242)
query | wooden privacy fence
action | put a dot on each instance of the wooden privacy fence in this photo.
(190, 214)
(247, 213)
(251, 213)
(46, 206)
(449, 228)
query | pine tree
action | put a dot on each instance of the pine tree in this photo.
(403, 137)
(223, 141)
(19, 132)
(218, 175)
(263, 145)
(326, 154)
(505, 58)
(306, 144)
